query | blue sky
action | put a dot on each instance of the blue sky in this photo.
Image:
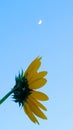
(22, 40)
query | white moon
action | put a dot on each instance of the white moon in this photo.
(40, 22)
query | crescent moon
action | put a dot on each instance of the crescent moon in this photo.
(40, 22)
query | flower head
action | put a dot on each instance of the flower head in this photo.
(24, 91)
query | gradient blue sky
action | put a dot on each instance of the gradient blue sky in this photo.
(21, 40)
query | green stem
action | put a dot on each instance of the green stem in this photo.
(6, 96)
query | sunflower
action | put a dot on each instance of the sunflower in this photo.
(24, 91)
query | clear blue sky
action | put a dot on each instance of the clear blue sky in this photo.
(21, 40)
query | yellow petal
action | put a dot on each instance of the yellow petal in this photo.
(39, 96)
(37, 76)
(34, 66)
(29, 113)
(37, 84)
(35, 109)
(37, 103)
